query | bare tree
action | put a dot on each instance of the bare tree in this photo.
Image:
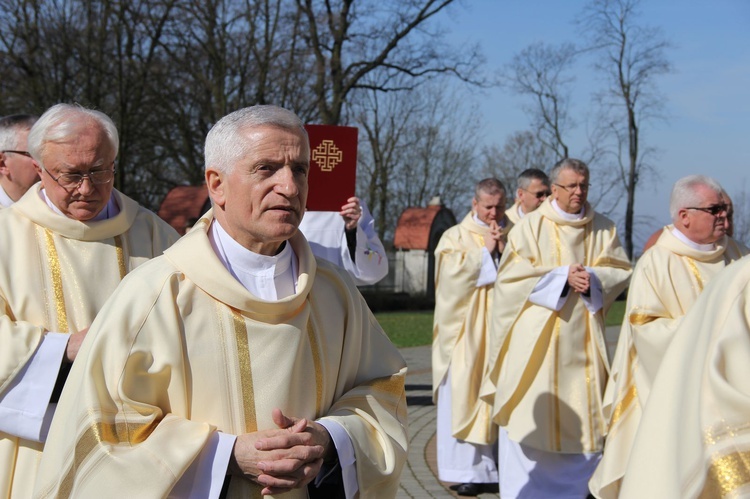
(631, 57)
(522, 150)
(352, 41)
(417, 144)
(542, 72)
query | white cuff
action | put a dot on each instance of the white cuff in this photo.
(488, 272)
(345, 451)
(205, 476)
(595, 300)
(25, 409)
(548, 290)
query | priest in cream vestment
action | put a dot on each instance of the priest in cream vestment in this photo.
(64, 251)
(466, 268)
(562, 268)
(17, 172)
(532, 190)
(694, 437)
(665, 284)
(235, 360)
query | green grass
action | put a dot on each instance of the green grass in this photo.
(411, 329)
(407, 329)
(615, 314)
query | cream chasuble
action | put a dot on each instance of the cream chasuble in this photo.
(55, 275)
(514, 213)
(666, 282)
(548, 369)
(460, 328)
(183, 350)
(694, 436)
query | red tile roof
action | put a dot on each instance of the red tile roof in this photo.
(413, 228)
(183, 205)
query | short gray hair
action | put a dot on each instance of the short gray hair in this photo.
(685, 192)
(224, 144)
(575, 165)
(530, 174)
(62, 122)
(10, 126)
(489, 186)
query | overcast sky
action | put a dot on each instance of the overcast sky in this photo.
(707, 95)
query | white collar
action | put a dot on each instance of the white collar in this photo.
(111, 210)
(5, 200)
(700, 247)
(267, 277)
(520, 212)
(568, 216)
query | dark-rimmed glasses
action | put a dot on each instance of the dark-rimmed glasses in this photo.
(69, 181)
(538, 195)
(22, 153)
(572, 187)
(713, 210)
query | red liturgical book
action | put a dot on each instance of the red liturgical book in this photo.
(333, 166)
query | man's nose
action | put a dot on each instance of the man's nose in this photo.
(286, 183)
(86, 186)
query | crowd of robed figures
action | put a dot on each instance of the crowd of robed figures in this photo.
(238, 364)
(529, 402)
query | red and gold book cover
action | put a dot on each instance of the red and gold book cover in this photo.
(333, 166)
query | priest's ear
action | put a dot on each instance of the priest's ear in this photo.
(216, 184)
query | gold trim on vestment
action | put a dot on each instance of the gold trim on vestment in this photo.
(726, 474)
(120, 257)
(246, 374)
(98, 433)
(713, 436)
(631, 393)
(54, 265)
(696, 273)
(639, 319)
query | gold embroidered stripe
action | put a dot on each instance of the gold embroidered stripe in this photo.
(120, 257)
(54, 265)
(696, 273)
(639, 319)
(726, 474)
(246, 373)
(111, 433)
(631, 393)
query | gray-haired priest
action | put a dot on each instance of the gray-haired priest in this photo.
(236, 360)
(562, 268)
(65, 246)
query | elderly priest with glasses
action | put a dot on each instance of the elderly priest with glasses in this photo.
(666, 283)
(65, 246)
(237, 361)
(562, 268)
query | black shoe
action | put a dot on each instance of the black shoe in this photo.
(455, 486)
(468, 489)
(491, 488)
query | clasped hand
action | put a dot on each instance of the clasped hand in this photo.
(579, 278)
(494, 241)
(285, 458)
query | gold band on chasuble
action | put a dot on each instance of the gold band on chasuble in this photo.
(727, 474)
(96, 434)
(57, 287)
(246, 374)
(120, 257)
(694, 269)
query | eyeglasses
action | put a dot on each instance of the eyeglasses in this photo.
(572, 187)
(22, 153)
(713, 210)
(538, 195)
(70, 181)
